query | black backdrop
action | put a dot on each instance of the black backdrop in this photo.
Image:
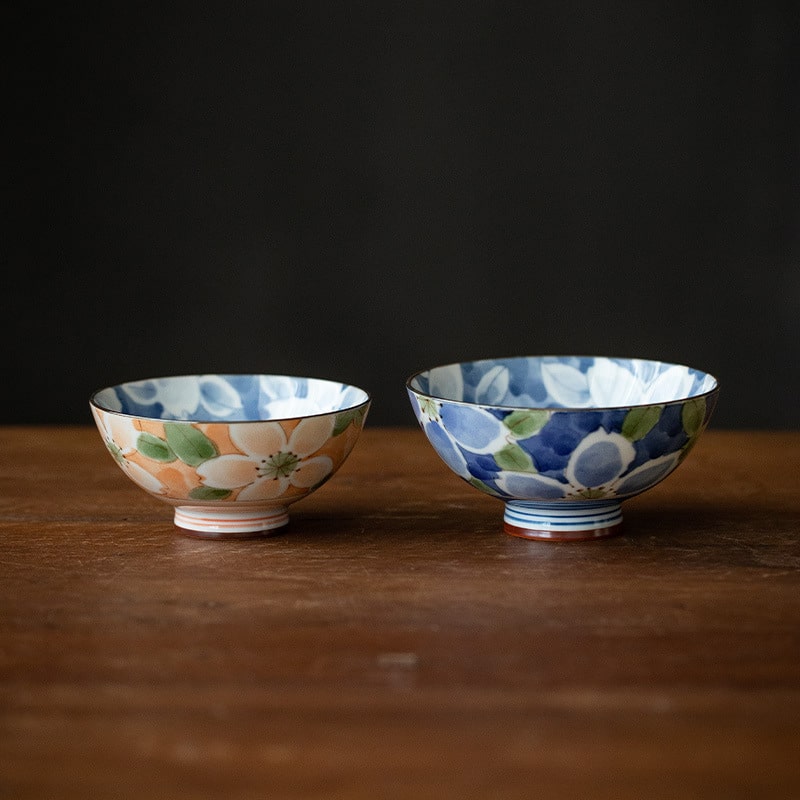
(359, 190)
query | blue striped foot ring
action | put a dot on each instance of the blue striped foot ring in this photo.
(562, 521)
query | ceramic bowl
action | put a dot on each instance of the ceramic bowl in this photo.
(230, 452)
(562, 440)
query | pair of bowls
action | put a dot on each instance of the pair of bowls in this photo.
(561, 440)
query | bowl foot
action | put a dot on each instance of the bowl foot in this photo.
(562, 522)
(209, 523)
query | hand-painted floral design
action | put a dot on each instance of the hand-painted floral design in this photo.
(120, 437)
(597, 469)
(429, 408)
(563, 429)
(182, 397)
(226, 398)
(270, 461)
(562, 382)
(266, 460)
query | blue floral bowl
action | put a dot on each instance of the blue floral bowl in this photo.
(230, 452)
(562, 440)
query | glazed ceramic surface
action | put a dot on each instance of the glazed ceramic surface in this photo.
(230, 452)
(562, 439)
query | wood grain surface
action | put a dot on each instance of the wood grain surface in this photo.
(393, 642)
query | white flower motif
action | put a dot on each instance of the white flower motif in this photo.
(120, 437)
(188, 396)
(611, 384)
(672, 384)
(596, 470)
(427, 408)
(493, 386)
(286, 397)
(271, 462)
(566, 386)
(446, 382)
(291, 408)
(608, 384)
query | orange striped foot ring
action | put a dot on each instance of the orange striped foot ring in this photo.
(209, 523)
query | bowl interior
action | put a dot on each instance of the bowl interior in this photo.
(563, 382)
(229, 398)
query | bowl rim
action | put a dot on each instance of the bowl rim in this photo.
(93, 402)
(551, 408)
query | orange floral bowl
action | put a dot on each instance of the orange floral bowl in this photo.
(230, 452)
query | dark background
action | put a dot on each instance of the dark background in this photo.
(357, 191)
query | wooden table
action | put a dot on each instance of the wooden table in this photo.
(393, 642)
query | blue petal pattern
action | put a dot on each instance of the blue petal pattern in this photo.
(447, 449)
(580, 453)
(527, 379)
(473, 428)
(598, 464)
(229, 398)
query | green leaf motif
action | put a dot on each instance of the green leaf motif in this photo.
(640, 421)
(693, 415)
(524, 423)
(513, 457)
(344, 419)
(479, 484)
(208, 493)
(116, 453)
(189, 444)
(152, 447)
